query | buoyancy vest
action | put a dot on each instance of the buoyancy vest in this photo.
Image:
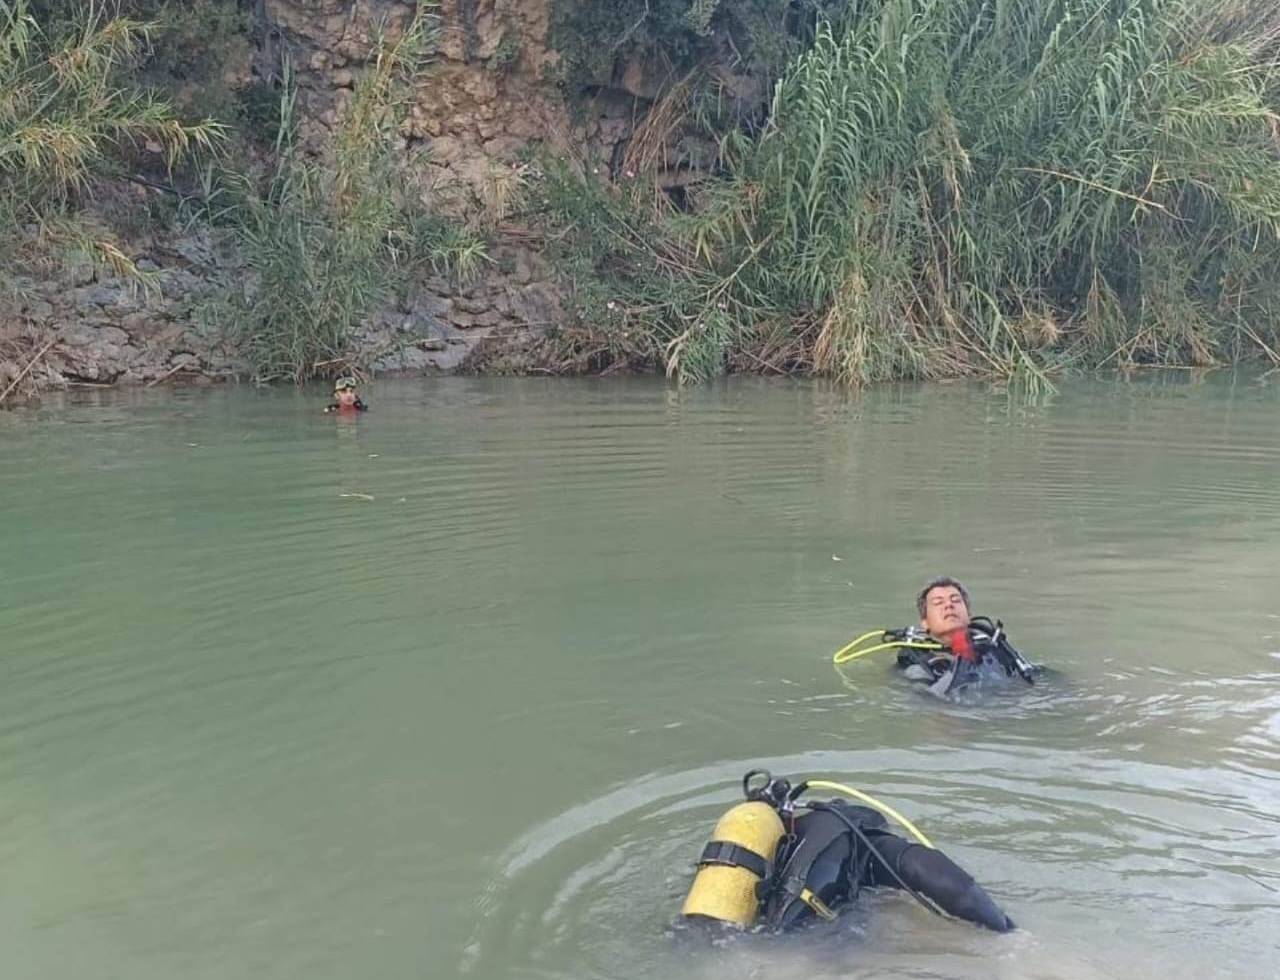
(968, 655)
(822, 867)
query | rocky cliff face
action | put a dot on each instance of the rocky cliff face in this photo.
(485, 99)
(489, 97)
(484, 102)
(83, 325)
(491, 93)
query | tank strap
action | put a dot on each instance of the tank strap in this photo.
(734, 856)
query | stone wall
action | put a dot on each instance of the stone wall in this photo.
(91, 327)
(440, 325)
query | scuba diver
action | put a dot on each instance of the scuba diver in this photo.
(345, 397)
(950, 649)
(767, 866)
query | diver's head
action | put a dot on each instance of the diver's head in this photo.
(943, 605)
(344, 392)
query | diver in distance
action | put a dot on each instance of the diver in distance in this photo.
(345, 397)
(950, 649)
(775, 863)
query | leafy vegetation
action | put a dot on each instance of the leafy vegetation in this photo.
(595, 35)
(68, 115)
(327, 244)
(929, 188)
(956, 187)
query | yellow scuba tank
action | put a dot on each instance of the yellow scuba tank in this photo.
(734, 862)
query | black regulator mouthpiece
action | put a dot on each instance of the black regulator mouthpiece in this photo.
(758, 785)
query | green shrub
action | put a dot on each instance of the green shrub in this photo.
(971, 186)
(70, 112)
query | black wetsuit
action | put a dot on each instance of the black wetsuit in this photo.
(840, 848)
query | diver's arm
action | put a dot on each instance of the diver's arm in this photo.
(935, 876)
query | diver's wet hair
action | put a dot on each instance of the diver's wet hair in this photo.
(942, 581)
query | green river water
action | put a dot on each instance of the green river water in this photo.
(458, 689)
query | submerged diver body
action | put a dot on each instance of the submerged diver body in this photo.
(769, 866)
(950, 649)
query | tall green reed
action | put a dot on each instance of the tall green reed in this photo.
(947, 187)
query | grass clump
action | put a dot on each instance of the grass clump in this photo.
(69, 114)
(629, 279)
(944, 188)
(970, 186)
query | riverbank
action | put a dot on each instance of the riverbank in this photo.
(106, 333)
(685, 187)
(85, 326)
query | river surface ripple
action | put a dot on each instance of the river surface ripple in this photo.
(458, 689)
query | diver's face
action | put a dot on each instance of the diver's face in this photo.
(944, 611)
(345, 396)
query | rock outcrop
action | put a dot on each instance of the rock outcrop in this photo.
(90, 327)
(489, 98)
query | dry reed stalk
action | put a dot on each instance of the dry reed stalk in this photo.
(23, 373)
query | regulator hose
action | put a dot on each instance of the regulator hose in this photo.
(851, 651)
(872, 802)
